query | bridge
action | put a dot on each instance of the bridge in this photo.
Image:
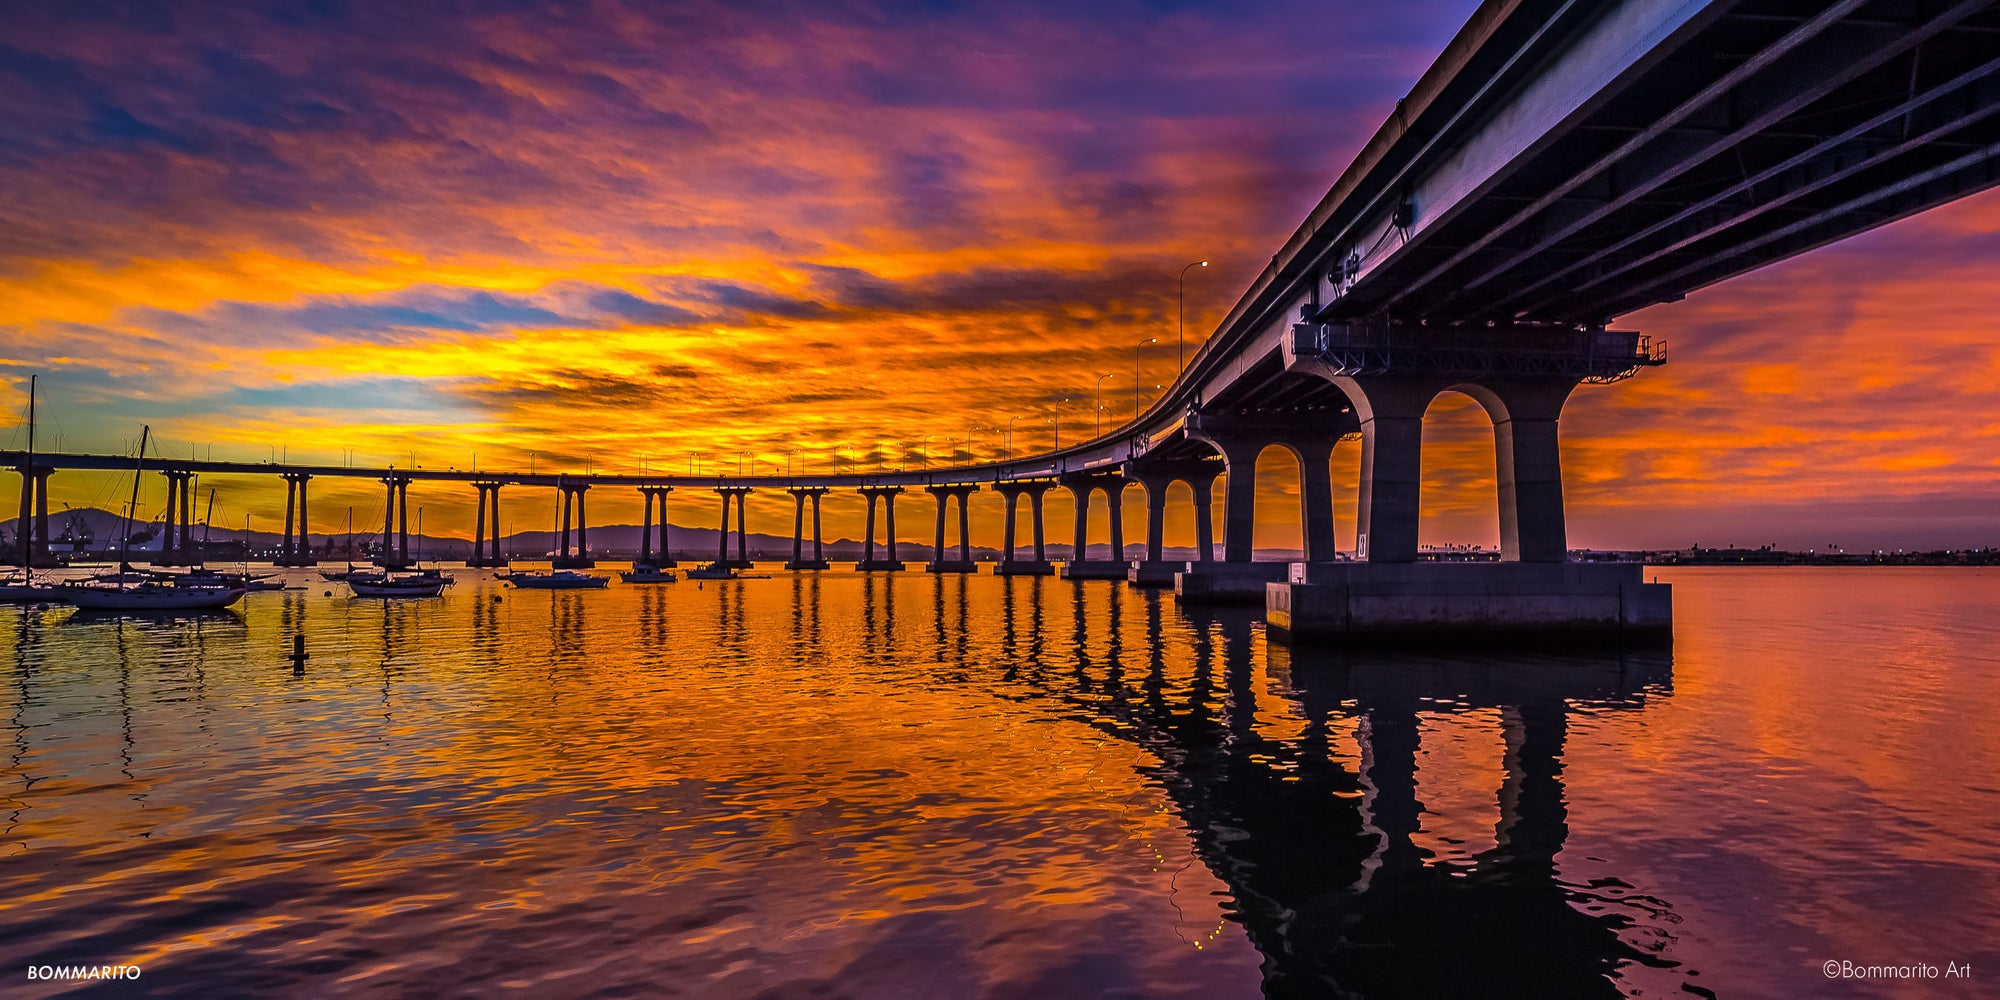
(1562, 164)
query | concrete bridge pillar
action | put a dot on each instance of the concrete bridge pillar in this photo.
(1316, 499)
(572, 500)
(1010, 563)
(740, 495)
(176, 542)
(31, 530)
(403, 521)
(1391, 410)
(170, 512)
(1081, 566)
(1083, 494)
(800, 494)
(486, 527)
(296, 549)
(887, 496)
(1204, 519)
(1239, 502)
(1528, 461)
(395, 549)
(963, 564)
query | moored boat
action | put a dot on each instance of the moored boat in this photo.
(23, 589)
(149, 597)
(712, 571)
(642, 572)
(561, 579)
(384, 585)
(423, 583)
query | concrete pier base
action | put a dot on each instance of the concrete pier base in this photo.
(1228, 582)
(1024, 567)
(951, 566)
(807, 564)
(1469, 602)
(1149, 573)
(1095, 569)
(879, 565)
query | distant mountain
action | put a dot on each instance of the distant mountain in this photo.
(611, 541)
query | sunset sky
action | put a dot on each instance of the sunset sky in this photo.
(614, 232)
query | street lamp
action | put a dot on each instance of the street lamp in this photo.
(694, 463)
(739, 462)
(1057, 426)
(1100, 403)
(1184, 271)
(1136, 351)
(970, 457)
(1010, 437)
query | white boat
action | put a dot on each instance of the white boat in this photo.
(647, 573)
(22, 589)
(712, 571)
(197, 591)
(149, 597)
(561, 579)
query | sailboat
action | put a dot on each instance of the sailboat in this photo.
(183, 592)
(20, 587)
(337, 575)
(422, 583)
(555, 579)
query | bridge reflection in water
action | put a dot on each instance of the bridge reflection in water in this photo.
(1386, 825)
(1318, 843)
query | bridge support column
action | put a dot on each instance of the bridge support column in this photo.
(1010, 562)
(176, 548)
(32, 529)
(740, 496)
(169, 512)
(964, 563)
(887, 496)
(663, 556)
(572, 499)
(403, 522)
(486, 528)
(1081, 486)
(1528, 461)
(1155, 570)
(296, 550)
(393, 553)
(1239, 504)
(1391, 410)
(800, 494)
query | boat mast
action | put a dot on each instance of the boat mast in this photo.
(138, 472)
(22, 533)
(207, 519)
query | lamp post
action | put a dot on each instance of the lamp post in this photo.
(1057, 426)
(1010, 437)
(694, 463)
(970, 457)
(1100, 402)
(1136, 352)
(1184, 271)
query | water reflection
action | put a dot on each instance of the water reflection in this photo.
(1320, 857)
(1011, 781)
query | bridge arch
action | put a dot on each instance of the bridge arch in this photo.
(1460, 475)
